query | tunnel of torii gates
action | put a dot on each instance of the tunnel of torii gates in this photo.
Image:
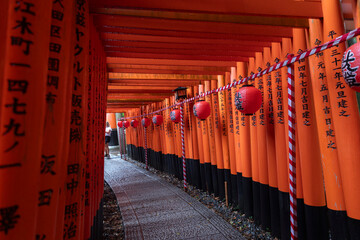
(64, 64)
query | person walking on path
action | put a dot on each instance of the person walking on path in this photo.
(107, 139)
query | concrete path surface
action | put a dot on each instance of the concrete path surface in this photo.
(152, 208)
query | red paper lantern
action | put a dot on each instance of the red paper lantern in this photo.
(134, 123)
(248, 99)
(126, 124)
(120, 124)
(202, 110)
(158, 120)
(350, 66)
(145, 122)
(175, 115)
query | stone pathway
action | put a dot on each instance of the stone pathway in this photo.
(152, 208)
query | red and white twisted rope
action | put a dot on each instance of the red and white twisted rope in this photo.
(292, 153)
(146, 157)
(268, 70)
(183, 144)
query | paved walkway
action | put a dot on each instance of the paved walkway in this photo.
(152, 208)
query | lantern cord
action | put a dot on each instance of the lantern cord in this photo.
(292, 153)
(268, 70)
(183, 145)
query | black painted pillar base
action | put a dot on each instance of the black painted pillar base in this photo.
(248, 196)
(265, 206)
(221, 180)
(208, 178)
(256, 202)
(97, 228)
(214, 175)
(234, 190)
(275, 211)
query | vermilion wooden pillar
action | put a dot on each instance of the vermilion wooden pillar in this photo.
(75, 178)
(245, 151)
(345, 114)
(22, 115)
(327, 136)
(53, 156)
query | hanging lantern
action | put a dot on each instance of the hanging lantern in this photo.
(134, 123)
(180, 93)
(248, 99)
(120, 124)
(201, 109)
(175, 115)
(126, 124)
(350, 67)
(158, 120)
(145, 122)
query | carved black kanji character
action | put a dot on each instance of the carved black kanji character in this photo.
(336, 60)
(341, 94)
(317, 42)
(40, 237)
(343, 114)
(60, 2)
(53, 64)
(305, 106)
(55, 31)
(76, 84)
(57, 15)
(76, 118)
(72, 185)
(322, 76)
(306, 122)
(342, 103)
(18, 108)
(330, 133)
(331, 145)
(70, 230)
(78, 68)
(17, 85)
(303, 83)
(18, 41)
(328, 121)
(326, 110)
(24, 26)
(321, 65)
(71, 211)
(78, 34)
(47, 164)
(80, 5)
(45, 197)
(55, 47)
(303, 91)
(76, 100)
(75, 135)
(8, 218)
(80, 19)
(325, 98)
(53, 81)
(50, 98)
(337, 75)
(304, 99)
(26, 9)
(334, 52)
(331, 34)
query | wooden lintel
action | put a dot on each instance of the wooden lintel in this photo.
(305, 9)
(207, 17)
